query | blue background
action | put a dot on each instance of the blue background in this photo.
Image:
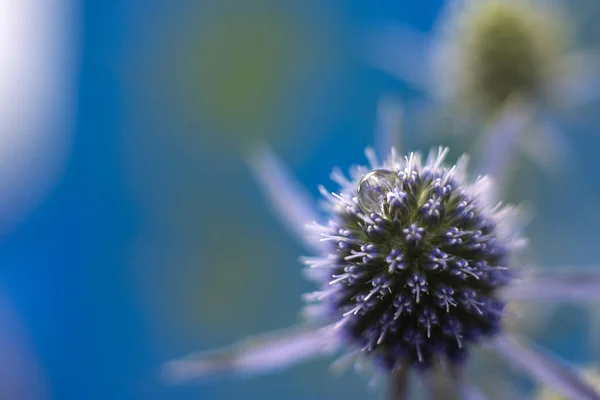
(157, 242)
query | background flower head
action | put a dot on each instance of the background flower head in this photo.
(494, 50)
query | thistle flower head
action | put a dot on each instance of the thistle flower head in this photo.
(497, 49)
(415, 257)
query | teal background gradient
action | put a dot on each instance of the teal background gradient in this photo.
(156, 241)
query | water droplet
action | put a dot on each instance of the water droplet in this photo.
(373, 189)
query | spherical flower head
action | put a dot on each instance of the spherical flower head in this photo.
(591, 375)
(415, 257)
(495, 50)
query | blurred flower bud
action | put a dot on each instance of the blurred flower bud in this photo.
(494, 50)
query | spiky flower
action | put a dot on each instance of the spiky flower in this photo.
(414, 264)
(497, 49)
(414, 261)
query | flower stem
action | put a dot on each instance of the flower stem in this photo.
(398, 385)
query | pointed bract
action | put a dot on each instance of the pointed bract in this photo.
(396, 50)
(257, 355)
(498, 143)
(289, 198)
(566, 284)
(547, 369)
(546, 146)
(470, 392)
(466, 390)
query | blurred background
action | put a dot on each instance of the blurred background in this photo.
(132, 231)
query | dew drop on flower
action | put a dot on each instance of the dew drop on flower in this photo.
(373, 189)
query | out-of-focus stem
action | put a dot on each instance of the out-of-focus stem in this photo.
(398, 385)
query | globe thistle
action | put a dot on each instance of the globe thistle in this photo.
(414, 264)
(415, 259)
